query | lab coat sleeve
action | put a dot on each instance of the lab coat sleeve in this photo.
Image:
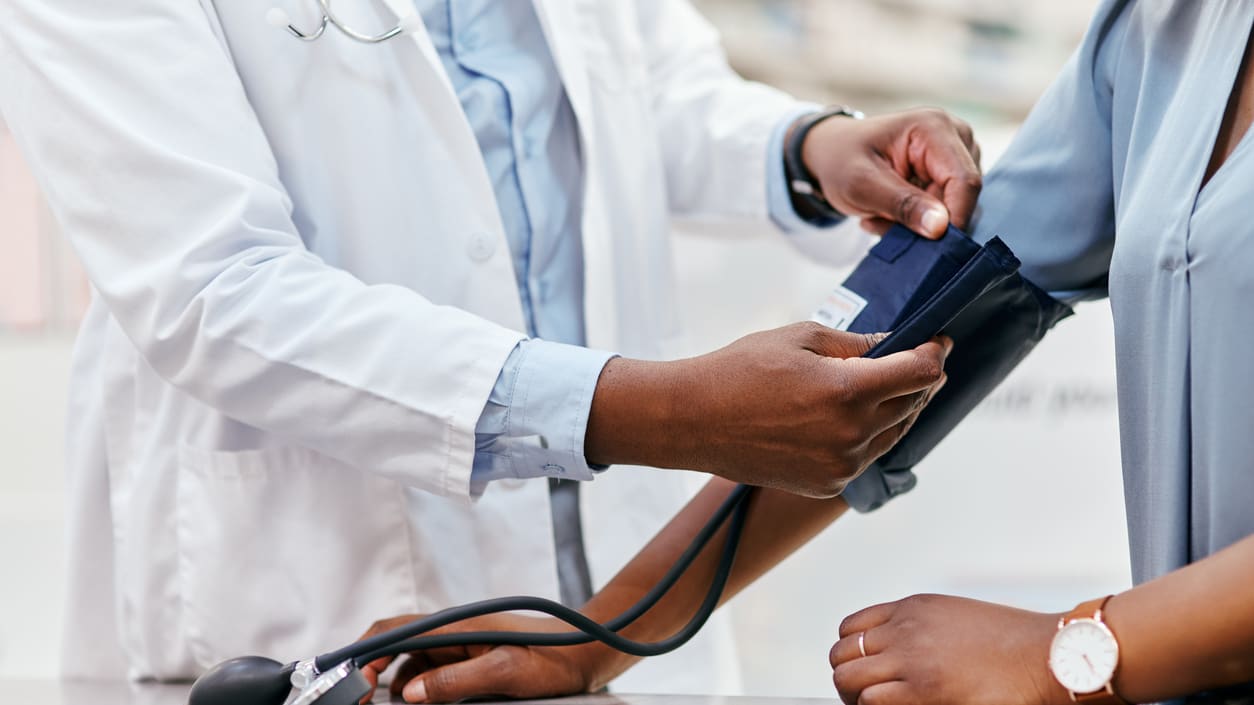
(714, 127)
(545, 390)
(1051, 196)
(139, 131)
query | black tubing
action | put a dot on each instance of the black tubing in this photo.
(407, 637)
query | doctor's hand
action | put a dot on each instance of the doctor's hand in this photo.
(920, 168)
(452, 674)
(796, 408)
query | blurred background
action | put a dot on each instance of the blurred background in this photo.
(1022, 504)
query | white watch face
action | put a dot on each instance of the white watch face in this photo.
(1084, 655)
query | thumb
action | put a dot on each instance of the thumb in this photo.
(888, 195)
(829, 342)
(486, 675)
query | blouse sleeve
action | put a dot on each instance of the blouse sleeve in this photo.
(1051, 196)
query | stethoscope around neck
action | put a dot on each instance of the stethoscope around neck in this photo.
(278, 17)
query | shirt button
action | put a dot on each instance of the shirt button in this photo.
(481, 246)
(551, 469)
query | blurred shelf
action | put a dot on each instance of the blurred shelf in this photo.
(993, 57)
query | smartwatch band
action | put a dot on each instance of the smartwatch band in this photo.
(804, 189)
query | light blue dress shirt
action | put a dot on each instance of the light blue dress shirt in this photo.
(499, 62)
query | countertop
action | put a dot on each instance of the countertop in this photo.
(52, 692)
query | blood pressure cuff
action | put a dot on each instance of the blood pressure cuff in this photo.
(916, 288)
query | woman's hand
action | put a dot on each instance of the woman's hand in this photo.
(946, 651)
(450, 674)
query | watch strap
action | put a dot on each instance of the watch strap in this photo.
(1093, 610)
(804, 190)
(1087, 610)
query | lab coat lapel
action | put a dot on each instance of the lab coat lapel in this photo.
(560, 24)
(430, 79)
(560, 21)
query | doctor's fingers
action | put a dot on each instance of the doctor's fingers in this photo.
(926, 178)
(943, 151)
(895, 375)
(889, 438)
(907, 407)
(879, 226)
(878, 192)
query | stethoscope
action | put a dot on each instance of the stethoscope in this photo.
(279, 18)
(335, 678)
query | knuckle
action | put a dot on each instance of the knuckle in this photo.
(936, 117)
(843, 438)
(918, 602)
(842, 394)
(840, 679)
(847, 625)
(812, 332)
(907, 203)
(845, 687)
(832, 486)
(866, 341)
(439, 684)
(929, 368)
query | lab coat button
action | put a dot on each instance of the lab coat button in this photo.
(481, 247)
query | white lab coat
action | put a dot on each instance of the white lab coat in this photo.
(303, 295)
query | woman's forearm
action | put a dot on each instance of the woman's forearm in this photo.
(1188, 631)
(778, 523)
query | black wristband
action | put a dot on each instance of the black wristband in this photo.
(804, 190)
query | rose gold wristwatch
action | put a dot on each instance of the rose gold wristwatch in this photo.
(1085, 655)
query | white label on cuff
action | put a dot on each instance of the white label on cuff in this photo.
(839, 309)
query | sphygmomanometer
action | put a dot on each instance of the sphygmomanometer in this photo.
(911, 286)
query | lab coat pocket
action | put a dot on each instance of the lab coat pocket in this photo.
(285, 552)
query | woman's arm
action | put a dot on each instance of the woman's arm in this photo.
(777, 524)
(1186, 632)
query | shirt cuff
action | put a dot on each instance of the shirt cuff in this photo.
(778, 195)
(536, 417)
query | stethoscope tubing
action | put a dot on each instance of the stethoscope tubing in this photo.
(329, 18)
(410, 637)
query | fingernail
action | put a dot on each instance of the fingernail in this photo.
(416, 692)
(935, 220)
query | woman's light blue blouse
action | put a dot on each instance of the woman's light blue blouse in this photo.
(1101, 192)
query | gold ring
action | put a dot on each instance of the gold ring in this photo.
(862, 643)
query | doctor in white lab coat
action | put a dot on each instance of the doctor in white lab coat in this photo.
(304, 296)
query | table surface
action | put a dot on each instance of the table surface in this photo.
(52, 692)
